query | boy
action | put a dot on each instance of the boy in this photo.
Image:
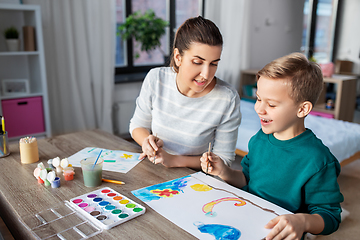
(287, 164)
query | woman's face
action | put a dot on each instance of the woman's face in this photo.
(197, 67)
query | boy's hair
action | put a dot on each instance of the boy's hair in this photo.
(305, 77)
(195, 30)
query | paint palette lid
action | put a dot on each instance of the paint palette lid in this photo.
(84, 216)
(60, 222)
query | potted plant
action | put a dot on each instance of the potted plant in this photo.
(11, 35)
(146, 29)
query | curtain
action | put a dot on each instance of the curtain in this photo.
(79, 38)
(231, 17)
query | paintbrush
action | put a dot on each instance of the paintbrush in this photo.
(154, 150)
(96, 159)
(209, 151)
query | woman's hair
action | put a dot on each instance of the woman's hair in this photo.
(305, 78)
(195, 30)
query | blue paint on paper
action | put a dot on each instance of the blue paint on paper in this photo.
(211, 214)
(145, 195)
(220, 232)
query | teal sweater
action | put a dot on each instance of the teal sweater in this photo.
(299, 175)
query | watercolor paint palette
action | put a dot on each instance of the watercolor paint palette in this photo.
(107, 208)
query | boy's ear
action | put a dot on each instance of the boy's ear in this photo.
(304, 109)
(177, 57)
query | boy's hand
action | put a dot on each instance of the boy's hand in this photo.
(150, 146)
(211, 163)
(288, 226)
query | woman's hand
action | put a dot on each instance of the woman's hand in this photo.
(164, 158)
(150, 146)
(170, 160)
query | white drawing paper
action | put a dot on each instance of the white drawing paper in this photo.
(209, 208)
(114, 160)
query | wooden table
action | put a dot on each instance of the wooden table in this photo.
(21, 195)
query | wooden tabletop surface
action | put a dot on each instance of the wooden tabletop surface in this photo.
(21, 195)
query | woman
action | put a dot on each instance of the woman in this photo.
(184, 107)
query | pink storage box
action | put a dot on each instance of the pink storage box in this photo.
(321, 114)
(23, 116)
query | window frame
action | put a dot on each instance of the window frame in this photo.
(131, 73)
(311, 31)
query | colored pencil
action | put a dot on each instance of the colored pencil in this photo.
(4, 133)
(112, 181)
(3, 124)
(207, 166)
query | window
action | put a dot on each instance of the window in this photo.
(319, 29)
(128, 67)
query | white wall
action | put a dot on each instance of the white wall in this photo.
(349, 34)
(275, 30)
(125, 95)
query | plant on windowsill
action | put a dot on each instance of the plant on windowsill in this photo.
(11, 35)
(146, 29)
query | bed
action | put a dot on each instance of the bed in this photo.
(342, 138)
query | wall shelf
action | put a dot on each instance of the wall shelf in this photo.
(29, 65)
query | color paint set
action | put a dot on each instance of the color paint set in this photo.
(107, 208)
(84, 216)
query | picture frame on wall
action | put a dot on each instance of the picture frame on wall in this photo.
(12, 87)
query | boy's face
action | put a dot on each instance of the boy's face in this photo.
(277, 111)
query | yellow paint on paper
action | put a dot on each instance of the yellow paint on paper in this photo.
(201, 187)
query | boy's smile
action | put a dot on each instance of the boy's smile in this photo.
(278, 113)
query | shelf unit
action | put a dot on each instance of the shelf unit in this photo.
(345, 91)
(247, 77)
(345, 101)
(28, 65)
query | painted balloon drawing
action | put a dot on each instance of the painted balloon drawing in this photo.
(210, 209)
(220, 232)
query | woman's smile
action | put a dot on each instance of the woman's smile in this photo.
(200, 82)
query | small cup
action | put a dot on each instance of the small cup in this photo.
(47, 183)
(68, 175)
(49, 162)
(29, 152)
(55, 183)
(92, 174)
(4, 145)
